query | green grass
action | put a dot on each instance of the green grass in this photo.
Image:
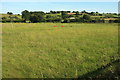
(97, 16)
(54, 14)
(39, 50)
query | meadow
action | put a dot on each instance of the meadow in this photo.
(40, 50)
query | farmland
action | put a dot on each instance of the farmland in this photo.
(39, 50)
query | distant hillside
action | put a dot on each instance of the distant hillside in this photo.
(13, 15)
(9, 18)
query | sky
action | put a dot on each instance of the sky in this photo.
(59, 0)
(18, 7)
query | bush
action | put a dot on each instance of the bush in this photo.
(86, 18)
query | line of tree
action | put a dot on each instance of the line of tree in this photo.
(63, 17)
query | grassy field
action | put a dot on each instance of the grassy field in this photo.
(39, 50)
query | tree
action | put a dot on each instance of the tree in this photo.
(34, 18)
(37, 18)
(26, 15)
(84, 11)
(86, 18)
(73, 11)
(63, 14)
(9, 13)
(37, 12)
(77, 13)
(92, 13)
(97, 13)
(53, 12)
(68, 11)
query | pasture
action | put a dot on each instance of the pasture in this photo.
(39, 50)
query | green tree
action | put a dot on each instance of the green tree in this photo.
(84, 11)
(63, 14)
(37, 18)
(9, 13)
(86, 18)
(77, 13)
(97, 13)
(26, 15)
(34, 18)
(92, 13)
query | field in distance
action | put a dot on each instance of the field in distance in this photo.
(40, 50)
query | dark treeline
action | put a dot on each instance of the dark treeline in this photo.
(62, 17)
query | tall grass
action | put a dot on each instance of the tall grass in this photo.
(39, 50)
